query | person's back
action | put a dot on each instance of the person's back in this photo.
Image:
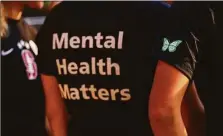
(104, 56)
(107, 108)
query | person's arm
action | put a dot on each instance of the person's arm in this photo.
(165, 101)
(55, 108)
(176, 51)
(193, 112)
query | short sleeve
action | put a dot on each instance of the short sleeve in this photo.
(177, 45)
(46, 56)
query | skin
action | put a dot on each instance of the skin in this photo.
(165, 101)
(175, 106)
(55, 109)
(193, 112)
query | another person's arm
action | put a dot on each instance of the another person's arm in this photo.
(193, 112)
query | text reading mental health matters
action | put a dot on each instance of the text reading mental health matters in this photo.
(95, 66)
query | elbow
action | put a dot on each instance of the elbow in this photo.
(161, 114)
(163, 110)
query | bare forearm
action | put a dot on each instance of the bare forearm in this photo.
(195, 126)
(168, 125)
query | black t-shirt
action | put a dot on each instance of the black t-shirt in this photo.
(23, 110)
(104, 54)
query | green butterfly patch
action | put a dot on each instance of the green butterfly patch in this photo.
(171, 47)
